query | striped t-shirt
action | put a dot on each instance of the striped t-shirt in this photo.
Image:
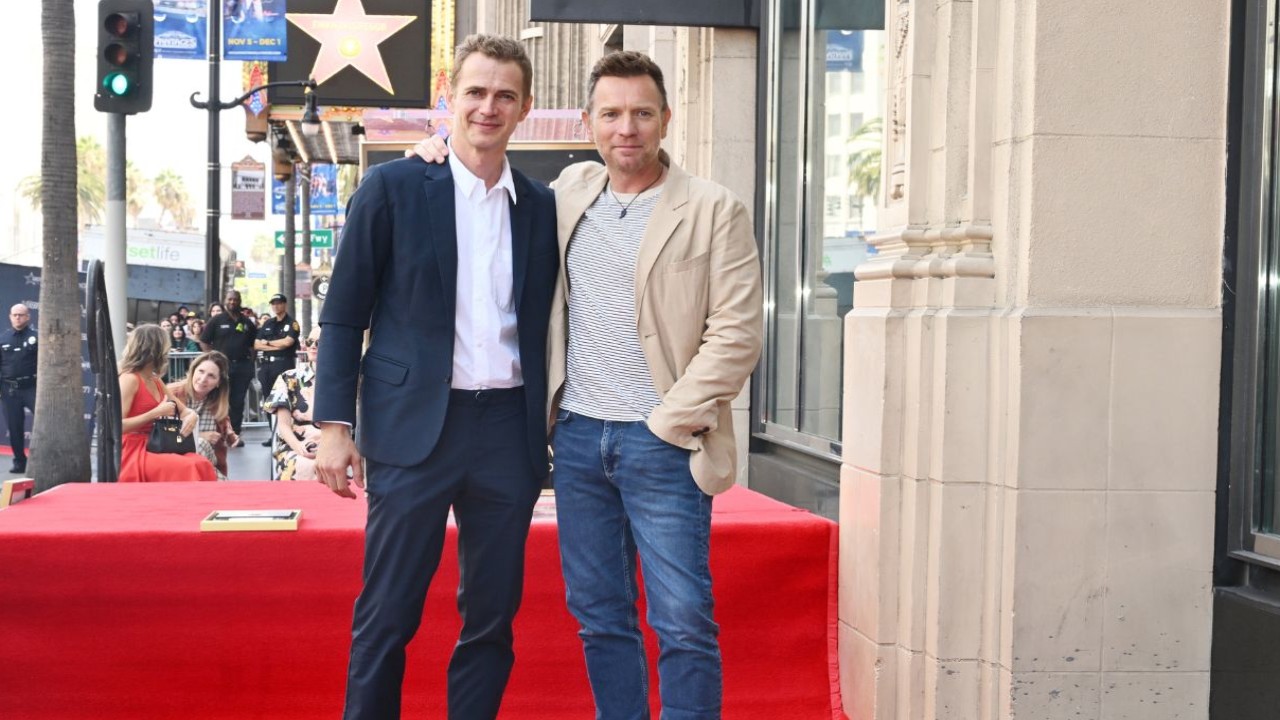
(607, 377)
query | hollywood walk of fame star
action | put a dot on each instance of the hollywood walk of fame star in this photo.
(32, 279)
(349, 37)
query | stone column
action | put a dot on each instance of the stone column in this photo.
(1027, 487)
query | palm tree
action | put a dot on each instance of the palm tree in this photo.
(60, 444)
(186, 216)
(864, 158)
(171, 194)
(91, 182)
(348, 178)
(135, 183)
(263, 250)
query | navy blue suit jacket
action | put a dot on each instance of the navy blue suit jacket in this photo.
(396, 274)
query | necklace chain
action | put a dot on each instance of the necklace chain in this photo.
(635, 197)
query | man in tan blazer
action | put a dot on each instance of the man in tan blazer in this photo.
(655, 326)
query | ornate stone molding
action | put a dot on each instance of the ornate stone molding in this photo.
(896, 137)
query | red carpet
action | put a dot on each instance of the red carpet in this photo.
(116, 606)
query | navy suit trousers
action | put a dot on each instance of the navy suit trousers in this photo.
(480, 467)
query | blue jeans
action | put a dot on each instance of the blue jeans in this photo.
(619, 489)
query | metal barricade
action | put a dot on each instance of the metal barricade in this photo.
(179, 362)
(253, 413)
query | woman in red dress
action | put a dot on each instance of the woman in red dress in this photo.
(143, 398)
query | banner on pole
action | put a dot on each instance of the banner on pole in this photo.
(254, 30)
(182, 29)
(324, 192)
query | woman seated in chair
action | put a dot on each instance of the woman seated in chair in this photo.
(290, 400)
(143, 399)
(207, 391)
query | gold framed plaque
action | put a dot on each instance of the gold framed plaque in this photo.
(236, 520)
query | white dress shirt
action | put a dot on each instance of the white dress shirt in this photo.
(486, 351)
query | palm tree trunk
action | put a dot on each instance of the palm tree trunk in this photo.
(59, 442)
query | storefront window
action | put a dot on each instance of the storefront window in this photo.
(1253, 286)
(825, 95)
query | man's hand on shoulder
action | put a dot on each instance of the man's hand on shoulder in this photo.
(432, 149)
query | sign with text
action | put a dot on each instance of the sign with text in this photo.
(248, 189)
(319, 239)
(254, 30)
(182, 29)
(844, 51)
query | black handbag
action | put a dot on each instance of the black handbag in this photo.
(166, 436)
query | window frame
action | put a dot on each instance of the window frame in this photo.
(805, 116)
(1246, 340)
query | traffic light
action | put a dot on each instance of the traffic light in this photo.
(126, 34)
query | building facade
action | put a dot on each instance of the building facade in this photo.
(1020, 263)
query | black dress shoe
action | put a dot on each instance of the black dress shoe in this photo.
(18, 467)
(240, 442)
(266, 443)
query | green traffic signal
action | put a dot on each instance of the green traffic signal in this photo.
(117, 84)
(126, 48)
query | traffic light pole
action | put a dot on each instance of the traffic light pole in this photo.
(117, 271)
(126, 49)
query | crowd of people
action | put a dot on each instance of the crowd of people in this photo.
(208, 391)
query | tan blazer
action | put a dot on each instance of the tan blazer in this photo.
(699, 311)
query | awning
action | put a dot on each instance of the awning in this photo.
(706, 13)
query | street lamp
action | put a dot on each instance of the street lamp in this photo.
(310, 126)
(310, 116)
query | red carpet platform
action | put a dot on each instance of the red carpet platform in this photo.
(115, 605)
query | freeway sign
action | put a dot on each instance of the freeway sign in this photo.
(319, 239)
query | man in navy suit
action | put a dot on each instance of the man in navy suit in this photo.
(451, 269)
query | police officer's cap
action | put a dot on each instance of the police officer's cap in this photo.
(279, 298)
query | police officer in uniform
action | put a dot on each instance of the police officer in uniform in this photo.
(18, 380)
(233, 334)
(278, 343)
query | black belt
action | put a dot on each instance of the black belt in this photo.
(491, 396)
(20, 383)
(269, 358)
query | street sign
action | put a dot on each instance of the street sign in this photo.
(319, 239)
